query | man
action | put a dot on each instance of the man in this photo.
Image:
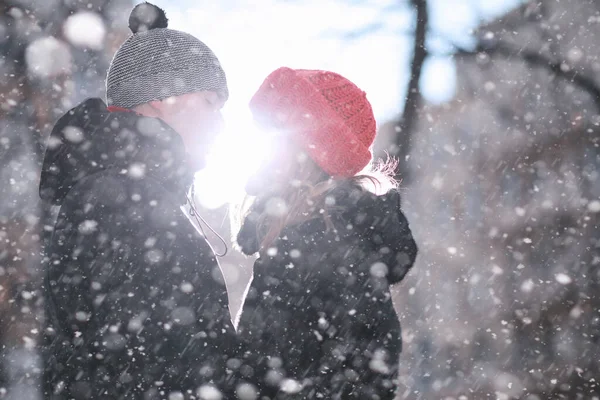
(136, 303)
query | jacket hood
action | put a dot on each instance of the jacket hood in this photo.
(377, 219)
(89, 139)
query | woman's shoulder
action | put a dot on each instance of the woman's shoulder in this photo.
(347, 212)
(358, 207)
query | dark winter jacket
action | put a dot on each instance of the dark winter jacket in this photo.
(136, 303)
(319, 313)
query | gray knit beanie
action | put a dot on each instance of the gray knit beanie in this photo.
(156, 63)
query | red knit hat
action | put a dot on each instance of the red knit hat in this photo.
(323, 112)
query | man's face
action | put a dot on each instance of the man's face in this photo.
(197, 118)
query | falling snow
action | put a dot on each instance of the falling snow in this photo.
(85, 29)
(594, 206)
(500, 183)
(48, 57)
(563, 279)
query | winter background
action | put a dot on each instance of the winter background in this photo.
(492, 106)
(370, 42)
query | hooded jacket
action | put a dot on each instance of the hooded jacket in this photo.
(136, 305)
(319, 312)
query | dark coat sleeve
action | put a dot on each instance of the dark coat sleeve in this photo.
(131, 287)
(404, 247)
(385, 235)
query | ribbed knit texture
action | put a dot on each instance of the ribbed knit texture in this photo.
(325, 113)
(161, 63)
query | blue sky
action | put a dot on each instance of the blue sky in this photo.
(368, 41)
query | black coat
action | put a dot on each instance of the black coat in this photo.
(136, 303)
(319, 309)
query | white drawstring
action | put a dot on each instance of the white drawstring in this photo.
(196, 215)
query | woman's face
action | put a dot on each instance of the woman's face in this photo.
(279, 168)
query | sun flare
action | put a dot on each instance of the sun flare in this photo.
(235, 156)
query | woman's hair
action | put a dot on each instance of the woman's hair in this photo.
(305, 197)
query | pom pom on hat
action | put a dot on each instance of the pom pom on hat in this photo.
(156, 63)
(146, 16)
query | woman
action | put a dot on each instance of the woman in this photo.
(318, 315)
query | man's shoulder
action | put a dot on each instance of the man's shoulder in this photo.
(116, 192)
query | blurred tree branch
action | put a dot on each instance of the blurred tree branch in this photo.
(405, 124)
(535, 58)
